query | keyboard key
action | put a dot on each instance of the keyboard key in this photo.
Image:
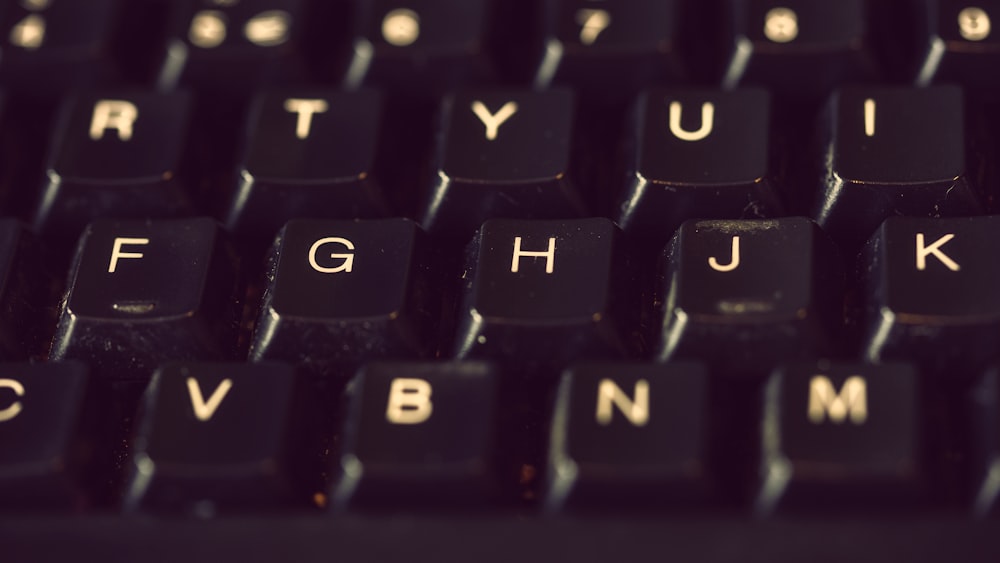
(610, 47)
(46, 436)
(343, 292)
(216, 437)
(420, 47)
(420, 434)
(116, 155)
(233, 46)
(28, 291)
(502, 154)
(799, 48)
(882, 161)
(50, 46)
(309, 154)
(746, 295)
(143, 292)
(930, 293)
(696, 154)
(542, 293)
(836, 435)
(982, 432)
(958, 43)
(630, 435)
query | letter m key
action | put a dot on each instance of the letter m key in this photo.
(849, 403)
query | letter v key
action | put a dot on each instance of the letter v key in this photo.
(203, 409)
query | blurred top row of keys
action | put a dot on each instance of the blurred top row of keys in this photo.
(796, 47)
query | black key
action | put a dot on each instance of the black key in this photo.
(47, 436)
(745, 295)
(233, 46)
(799, 48)
(930, 288)
(117, 155)
(542, 293)
(51, 46)
(420, 47)
(502, 154)
(143, 292)
(630, 435)
(883, 161)
(982, 431)
(957, 42)
(603, 46)
(841, 436)
(309, 154)
(421, 434)
(214, 437)
(28, 294)
(342, 292)
(696, 154)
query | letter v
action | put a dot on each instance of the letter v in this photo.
(203, 409)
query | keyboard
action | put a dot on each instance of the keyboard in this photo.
(494, 280)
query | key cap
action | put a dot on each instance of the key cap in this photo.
(696, 154)
(118, 155)
(28, 293)
(599, 46)
(216, 437)
(502, 154)
(800, 49)
(144, 292)
(343, 292)
(630, 435)
(881, 161)
(542, 293)
(46, 435)
(51, 46)
(930, 297)
(309, 154)
(982, 433)
(420, 434)
(420, 47)
(957, 42)
(233, 46)
(745, 295)
(836, 435)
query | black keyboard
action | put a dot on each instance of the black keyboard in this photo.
(495, 280)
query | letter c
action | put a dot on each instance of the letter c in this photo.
(15, 409)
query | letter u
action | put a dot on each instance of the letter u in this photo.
(707, 120)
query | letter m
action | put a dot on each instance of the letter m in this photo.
(825, 402)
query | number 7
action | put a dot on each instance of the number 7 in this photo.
(593, 22)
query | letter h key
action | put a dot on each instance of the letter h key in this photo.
(545, 292)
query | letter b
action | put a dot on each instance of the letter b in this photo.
(409, 401)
